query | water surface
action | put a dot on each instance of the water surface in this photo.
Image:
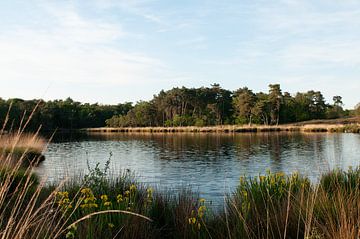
(208, 163)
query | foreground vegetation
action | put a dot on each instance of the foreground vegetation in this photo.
(269, 206)
(205, 106)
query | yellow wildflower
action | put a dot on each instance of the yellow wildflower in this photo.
(150, 190)
(132, 188)
(201, 211)
(119, 198)
(242, 180)
(104, 198)
(192, 220)
(85, 191)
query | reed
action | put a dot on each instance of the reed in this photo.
(25, 148)
(349, 128)
(280, 206)
(25, 141)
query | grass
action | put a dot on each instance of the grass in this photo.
(25, 148)
(344, 128)
(344, 125)
(22, 142)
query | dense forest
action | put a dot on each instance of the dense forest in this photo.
(57, 114)
(177, 107)
(216, 106)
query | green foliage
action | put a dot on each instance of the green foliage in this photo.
(341, 181)
(96, 178)
(262, 201)
(244, 101)
(210, 106)
(59, 114)
(199, 122)
(275, 100)
(202, 106)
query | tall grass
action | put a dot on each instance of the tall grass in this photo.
(28, 208)
(280, 206)
(25, 149)
(25, 141)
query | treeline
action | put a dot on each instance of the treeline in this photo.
(216, 106)
(57, 114)
(177, 107)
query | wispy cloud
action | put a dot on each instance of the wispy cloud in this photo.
(74, 49)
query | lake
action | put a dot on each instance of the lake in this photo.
(208, 163)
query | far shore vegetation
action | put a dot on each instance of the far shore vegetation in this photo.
(305, 127)
(181, 107)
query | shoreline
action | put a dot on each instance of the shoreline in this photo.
(330, 128)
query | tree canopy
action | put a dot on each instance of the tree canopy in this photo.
(215, 106)
(183, 106)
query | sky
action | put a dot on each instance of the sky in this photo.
(113, 51)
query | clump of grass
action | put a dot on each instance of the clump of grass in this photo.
(351, 128)
(26, 148)
(336, 209)
(173, 215)
(180, 215)
(266, 207)
(22, 142)
(280, 206)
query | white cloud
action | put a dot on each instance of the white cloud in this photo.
(73, 49)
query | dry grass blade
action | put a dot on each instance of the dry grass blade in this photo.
(103, 212)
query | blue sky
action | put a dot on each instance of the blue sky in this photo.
(111, 51)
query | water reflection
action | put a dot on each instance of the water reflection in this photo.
(210, 163)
